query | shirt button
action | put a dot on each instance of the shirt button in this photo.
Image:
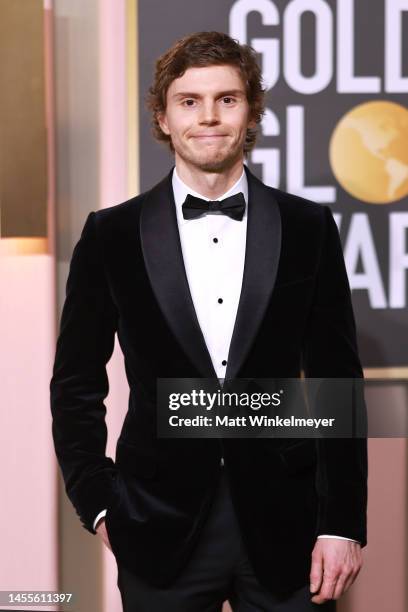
(224, 363)
(220, 300)
(222, 461)
(215, 239)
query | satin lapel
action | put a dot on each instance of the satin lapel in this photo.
(165, 267)
(263, 245)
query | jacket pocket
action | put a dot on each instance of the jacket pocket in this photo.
(294, 282)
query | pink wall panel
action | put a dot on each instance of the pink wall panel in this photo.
(28, 510)
(113, 189)
(28, 478)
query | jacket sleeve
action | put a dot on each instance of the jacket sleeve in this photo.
(79, 382)
(330, 351)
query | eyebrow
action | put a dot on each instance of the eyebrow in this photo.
(191, 94)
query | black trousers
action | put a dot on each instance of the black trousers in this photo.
(218, 570)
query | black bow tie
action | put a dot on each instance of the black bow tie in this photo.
(234, 206)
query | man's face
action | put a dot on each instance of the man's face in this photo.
(207, 116)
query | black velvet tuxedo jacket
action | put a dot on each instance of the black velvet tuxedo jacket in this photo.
(127, 277)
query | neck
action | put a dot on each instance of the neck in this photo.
(212, 185)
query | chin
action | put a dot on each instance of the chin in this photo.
(217, 163)
(213, 166)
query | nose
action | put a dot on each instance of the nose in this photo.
(209, 113)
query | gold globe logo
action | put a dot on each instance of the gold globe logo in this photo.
(368, 152)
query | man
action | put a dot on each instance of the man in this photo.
(252, 284)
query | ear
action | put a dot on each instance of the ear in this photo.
(162, 119)
(252, 124)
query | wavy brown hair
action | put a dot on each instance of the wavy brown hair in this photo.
(206, 49)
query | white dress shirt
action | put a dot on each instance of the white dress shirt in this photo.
(213, 248)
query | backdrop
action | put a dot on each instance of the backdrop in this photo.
(335, 131)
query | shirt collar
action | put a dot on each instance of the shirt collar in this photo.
(181, 190)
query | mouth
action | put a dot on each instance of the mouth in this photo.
(209, 136)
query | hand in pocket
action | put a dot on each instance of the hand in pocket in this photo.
(101, 530)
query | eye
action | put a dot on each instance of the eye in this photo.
(187, 102)
(229, 99)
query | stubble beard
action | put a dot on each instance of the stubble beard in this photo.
(218, 163)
